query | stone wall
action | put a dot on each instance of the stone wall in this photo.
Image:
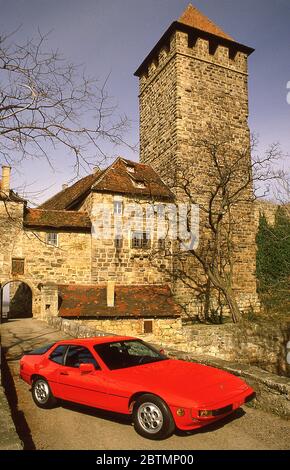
(68, 263)
(164, 330)
(11, 235)
(126, 265)
(260, 344)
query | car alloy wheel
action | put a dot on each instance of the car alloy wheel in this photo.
(41, 394)
(152, 417)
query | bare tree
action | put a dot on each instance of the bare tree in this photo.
(232, 181)
(46, 101)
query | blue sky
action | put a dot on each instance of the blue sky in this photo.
(114, 36)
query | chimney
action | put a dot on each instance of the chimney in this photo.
(5, 183)
(64, 186)
(110, 293)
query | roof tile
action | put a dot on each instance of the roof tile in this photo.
(115, 179)
(194, 18)
(147, 301)
(56, 219)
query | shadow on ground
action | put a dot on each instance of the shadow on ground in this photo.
(18, 417)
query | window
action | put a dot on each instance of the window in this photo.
(118, 243)
(148, 326)
(17, 265)
(77, 355)
(140, 240)
(118, 207)
(130, 169)
(139, 184)
(119, 355)
(57, 354)
(52, 239)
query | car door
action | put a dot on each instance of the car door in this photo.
(85, 388)
(51, 368)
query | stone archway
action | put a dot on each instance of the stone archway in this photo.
(16, 299)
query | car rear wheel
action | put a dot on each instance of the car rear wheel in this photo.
(152, 418)
(41, 394)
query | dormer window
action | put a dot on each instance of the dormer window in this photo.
(139, 184)
(130, 169)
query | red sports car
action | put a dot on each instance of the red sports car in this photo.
(127, 375)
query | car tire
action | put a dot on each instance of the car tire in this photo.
(42, 395)
(152, 418)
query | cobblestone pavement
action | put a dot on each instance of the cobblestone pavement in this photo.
(75, 427)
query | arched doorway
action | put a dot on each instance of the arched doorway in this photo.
(16, 300)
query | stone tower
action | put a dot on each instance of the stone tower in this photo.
(196, 78)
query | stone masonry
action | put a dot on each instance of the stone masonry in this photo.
(194, 79)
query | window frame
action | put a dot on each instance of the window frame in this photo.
(65, 346)
(18, 260)
(48, 242)
(118, 242)
(97, 367)
(142, 246)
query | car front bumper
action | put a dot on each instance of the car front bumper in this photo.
(188, 418)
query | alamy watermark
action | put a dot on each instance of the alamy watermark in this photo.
(288, 94)
(157, 221)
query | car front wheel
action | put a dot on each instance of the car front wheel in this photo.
(152, 418)
(41, 394)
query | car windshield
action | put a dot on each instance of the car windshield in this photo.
(123, 354)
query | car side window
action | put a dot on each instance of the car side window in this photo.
(136, 348)
(77, 355)
(57, 354)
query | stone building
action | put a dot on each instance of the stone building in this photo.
(195, 76)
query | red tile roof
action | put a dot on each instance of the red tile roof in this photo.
(40, 218)
(65, 198)
(147, 301)
(115, 179)
(194, 18)
(192, 21)
(119, 179)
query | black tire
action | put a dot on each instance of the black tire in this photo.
(41, 394)
(152, 418)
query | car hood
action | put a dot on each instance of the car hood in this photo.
(174, 380)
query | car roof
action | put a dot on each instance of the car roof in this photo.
(95, 340)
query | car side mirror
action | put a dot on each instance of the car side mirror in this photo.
(86, 368)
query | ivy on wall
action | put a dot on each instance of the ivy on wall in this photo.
(273, 261)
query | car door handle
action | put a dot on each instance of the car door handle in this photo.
(64, 373)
